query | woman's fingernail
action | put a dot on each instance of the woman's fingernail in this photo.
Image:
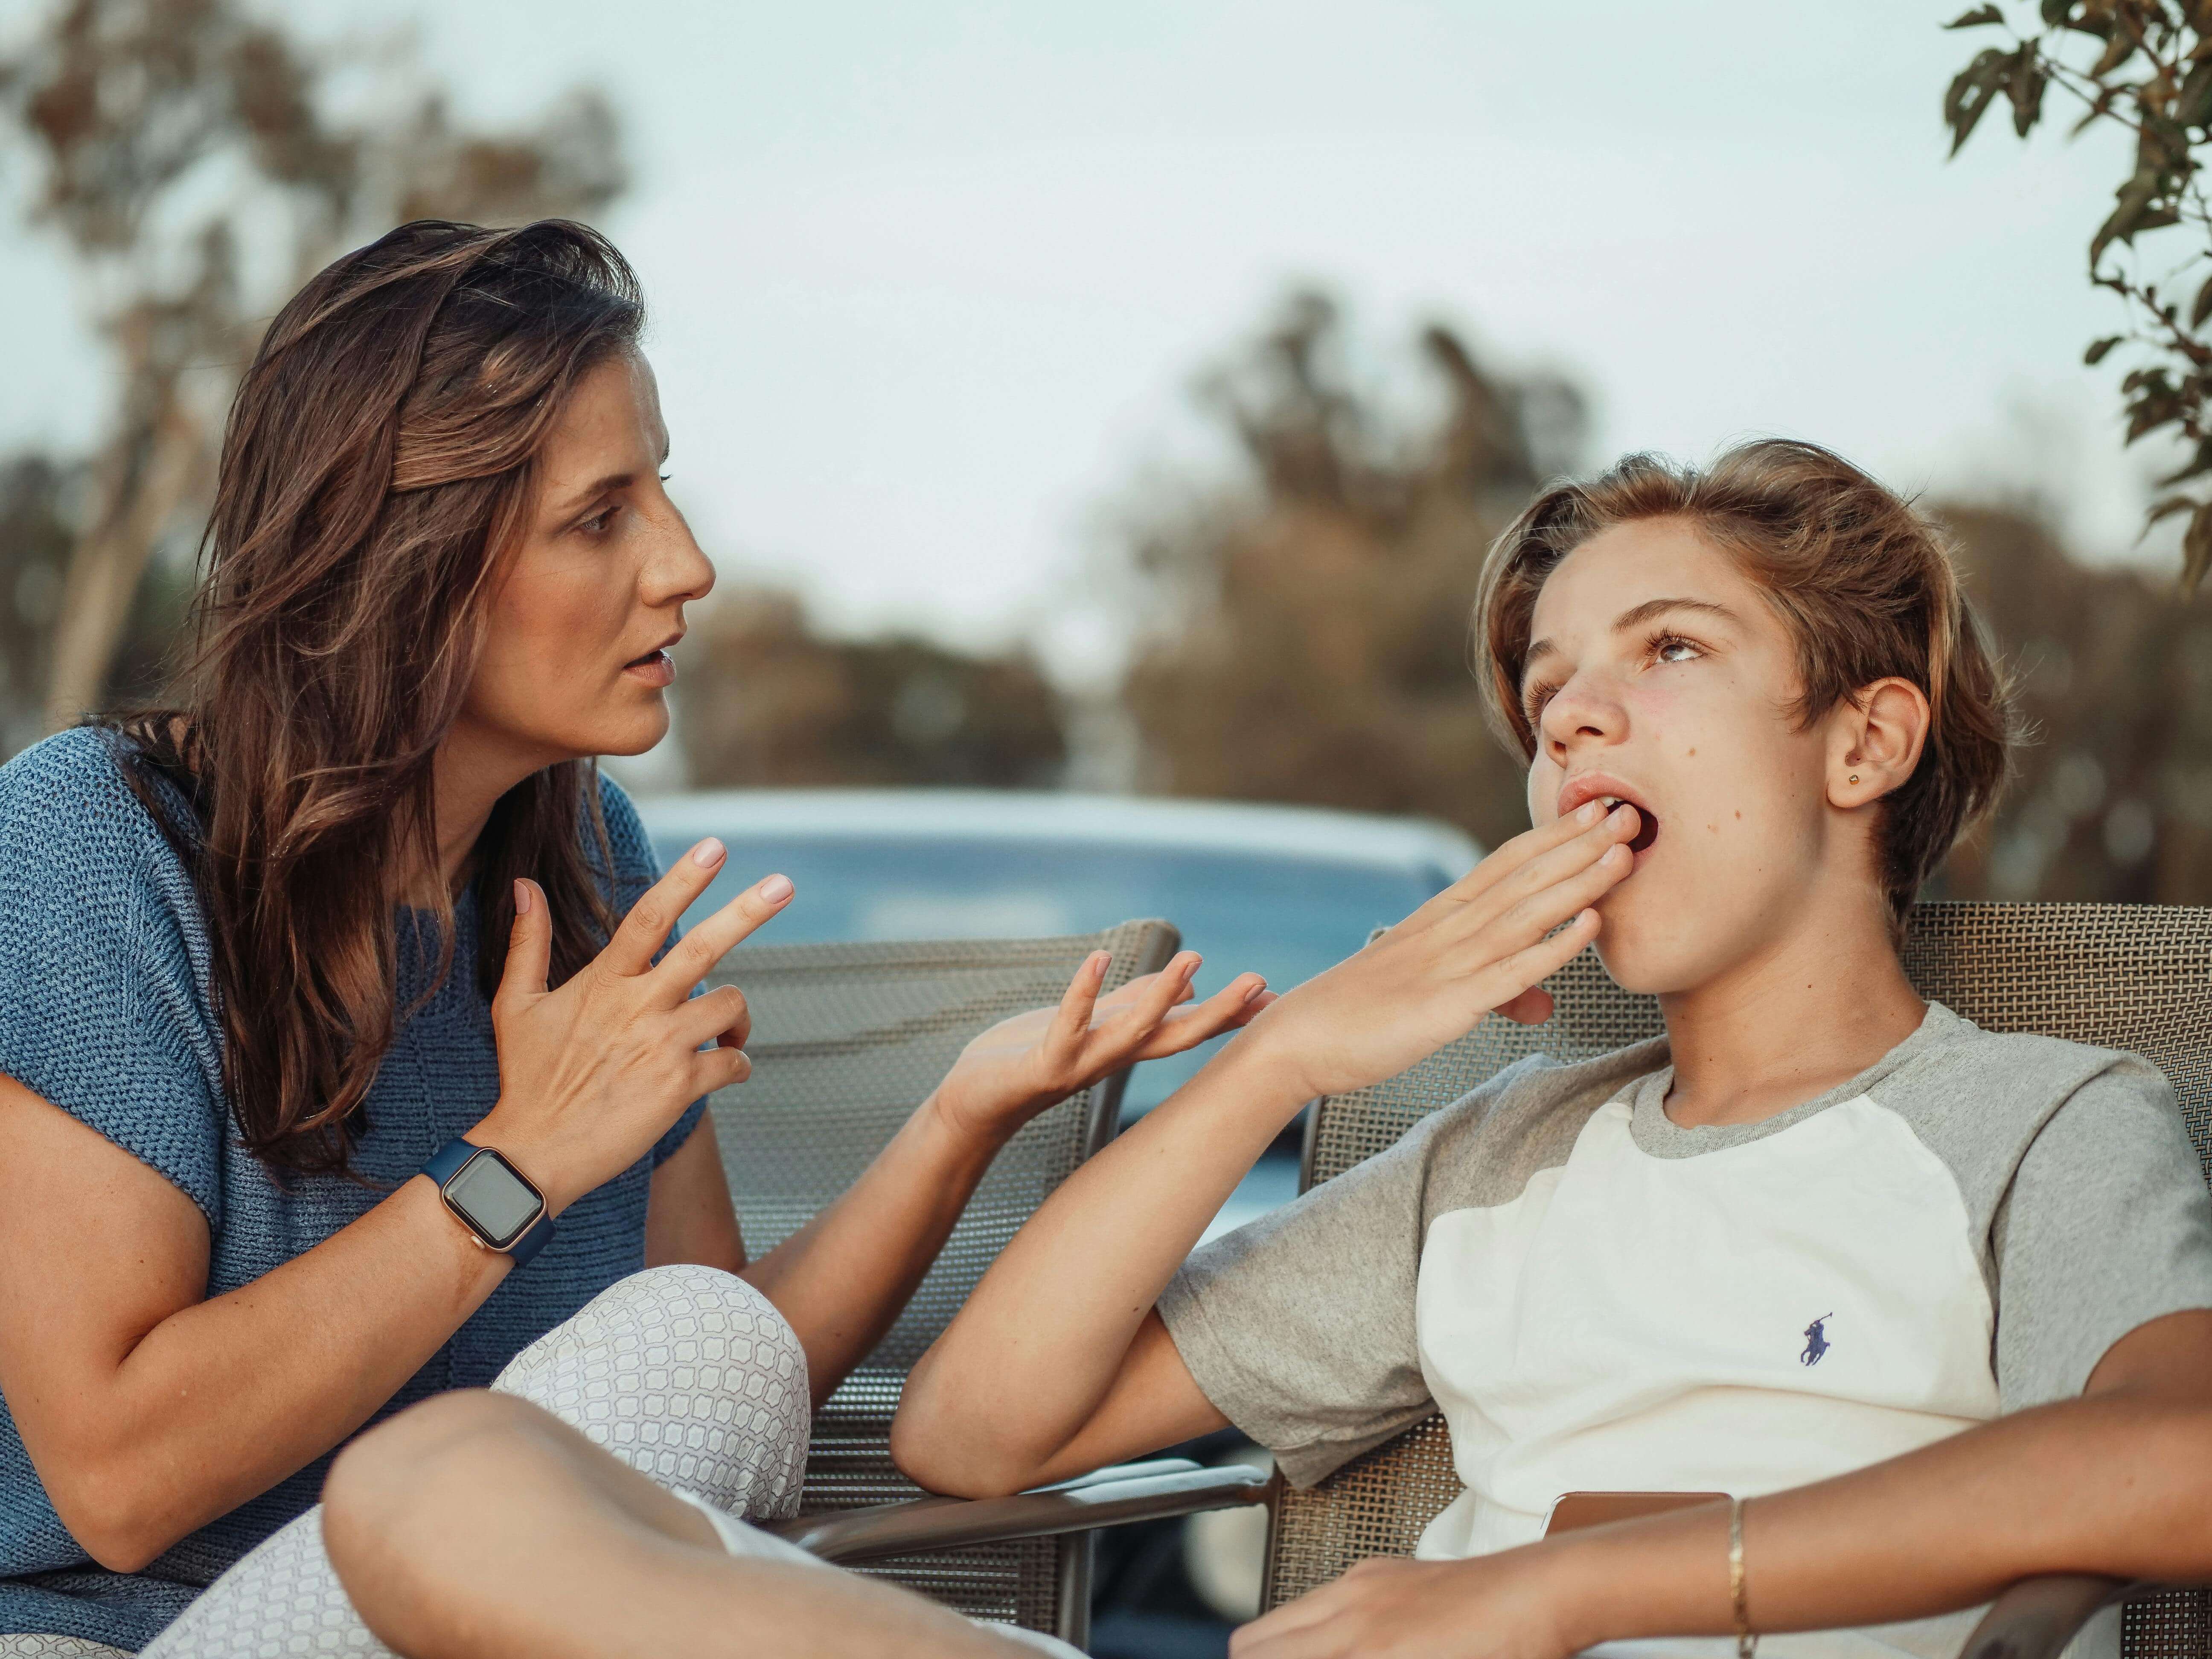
(521, 898)
(1255, 990)
(775, 889)
(707, 854)
(1590, 812)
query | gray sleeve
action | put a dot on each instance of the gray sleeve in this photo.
(1299, 1326)
(2106, 1226)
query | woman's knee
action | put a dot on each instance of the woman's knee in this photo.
(689, 1375)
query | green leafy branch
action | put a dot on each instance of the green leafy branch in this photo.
(2145, 65)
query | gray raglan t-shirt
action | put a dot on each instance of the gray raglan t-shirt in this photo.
(1599, 1299)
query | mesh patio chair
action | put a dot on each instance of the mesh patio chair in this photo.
(2122, 976)
(849, 1038)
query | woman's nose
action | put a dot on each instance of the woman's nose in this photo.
(677, 570)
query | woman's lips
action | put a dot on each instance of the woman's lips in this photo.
(654, 668)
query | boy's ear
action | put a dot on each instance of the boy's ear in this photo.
(1874, 740)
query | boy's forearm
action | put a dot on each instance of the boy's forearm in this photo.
(2112, 1484)
(1045, 1333)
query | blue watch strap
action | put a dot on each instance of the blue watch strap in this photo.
(540, 1234)
(446, 1162)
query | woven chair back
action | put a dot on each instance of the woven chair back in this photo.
(2137, 977)
(848, 1039)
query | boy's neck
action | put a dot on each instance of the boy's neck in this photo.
(1820, 1007)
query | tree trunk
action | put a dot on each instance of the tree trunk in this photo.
(145, 476)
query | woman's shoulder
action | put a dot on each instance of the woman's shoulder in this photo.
(66, 804)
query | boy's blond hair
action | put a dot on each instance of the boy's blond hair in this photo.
(1864, 584)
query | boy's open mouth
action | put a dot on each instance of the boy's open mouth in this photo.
(1647, 826)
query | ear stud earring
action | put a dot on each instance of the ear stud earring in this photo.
(1855, 777)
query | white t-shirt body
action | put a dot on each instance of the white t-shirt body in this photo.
(1635, 1323)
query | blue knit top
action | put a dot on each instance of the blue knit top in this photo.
(107, 1010)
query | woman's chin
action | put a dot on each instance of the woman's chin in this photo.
(635, 733)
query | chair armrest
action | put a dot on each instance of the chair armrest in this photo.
(2038, 1617)
(1132, 1492)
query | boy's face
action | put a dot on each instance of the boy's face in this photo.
(1658, 673)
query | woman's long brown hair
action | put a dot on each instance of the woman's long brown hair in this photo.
(377, 466)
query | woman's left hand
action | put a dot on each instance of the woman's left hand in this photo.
(1499, 1606)
(1013, 1072)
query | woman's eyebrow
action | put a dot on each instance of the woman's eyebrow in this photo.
(592, 492)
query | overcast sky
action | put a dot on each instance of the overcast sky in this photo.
(930, 281)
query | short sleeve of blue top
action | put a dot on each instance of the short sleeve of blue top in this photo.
(107, 1011)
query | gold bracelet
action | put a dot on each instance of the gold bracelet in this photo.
(1746, 1641)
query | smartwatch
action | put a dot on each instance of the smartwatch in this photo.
(499, 1205)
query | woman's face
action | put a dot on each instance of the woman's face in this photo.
(575, 659)
(1664, 678)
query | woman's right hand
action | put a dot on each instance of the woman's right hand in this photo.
(593, 1073)
(1485, 943)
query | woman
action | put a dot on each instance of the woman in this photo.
(359, 909)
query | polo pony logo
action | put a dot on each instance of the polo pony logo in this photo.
(1816, 1341)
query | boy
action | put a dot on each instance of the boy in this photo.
(1938, 1300)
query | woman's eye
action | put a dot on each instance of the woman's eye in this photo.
(1673, 650)
(598, 523)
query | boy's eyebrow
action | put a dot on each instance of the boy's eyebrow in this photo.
(1650, 608)
(1635, 616)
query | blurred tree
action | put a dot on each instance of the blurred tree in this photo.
(766, 701)
(194, 165)
(2112, 797)
(2145, 65)
(1302, 631)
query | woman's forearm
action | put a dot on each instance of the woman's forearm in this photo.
(842, 1279)
(224, 1398)
(1029, 1360)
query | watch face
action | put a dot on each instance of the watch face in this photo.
(498, 1202)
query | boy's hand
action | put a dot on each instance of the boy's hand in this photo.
(1499, 1607)
(1013, 1072)
(1480, 944)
